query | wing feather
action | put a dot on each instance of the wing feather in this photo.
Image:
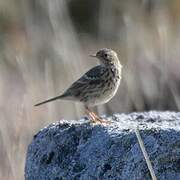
(88, 81)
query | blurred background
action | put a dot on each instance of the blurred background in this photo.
(45, 46)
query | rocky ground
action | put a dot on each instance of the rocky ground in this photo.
(79, 150)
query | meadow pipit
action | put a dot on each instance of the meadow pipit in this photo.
(97, 86)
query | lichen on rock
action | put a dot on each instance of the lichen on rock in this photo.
(79, 150)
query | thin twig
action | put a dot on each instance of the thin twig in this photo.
(148, 162)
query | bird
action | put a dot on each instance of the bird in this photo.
(97, 86)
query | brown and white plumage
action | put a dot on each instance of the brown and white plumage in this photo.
(98, 85)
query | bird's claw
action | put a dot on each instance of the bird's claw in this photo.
(99, 120)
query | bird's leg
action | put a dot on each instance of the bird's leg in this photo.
(95, 118)
(100, 119)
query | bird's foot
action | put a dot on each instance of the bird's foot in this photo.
(98, 120)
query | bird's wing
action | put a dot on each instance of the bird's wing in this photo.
(88, 81)
(94, 75)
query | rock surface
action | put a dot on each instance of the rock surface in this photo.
(80, 150)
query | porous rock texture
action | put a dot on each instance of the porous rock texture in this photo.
(79, 150)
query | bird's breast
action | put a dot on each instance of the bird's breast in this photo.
(108, 88)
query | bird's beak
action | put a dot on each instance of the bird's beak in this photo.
(93, 55)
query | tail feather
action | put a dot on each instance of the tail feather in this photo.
(49, 100)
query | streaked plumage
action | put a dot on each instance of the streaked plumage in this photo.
(98, 85)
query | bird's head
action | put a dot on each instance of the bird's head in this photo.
(106, 56)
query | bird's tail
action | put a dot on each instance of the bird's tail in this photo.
(49, 100)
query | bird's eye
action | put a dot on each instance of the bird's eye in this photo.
(105, 55)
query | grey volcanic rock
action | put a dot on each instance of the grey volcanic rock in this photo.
(80, 150)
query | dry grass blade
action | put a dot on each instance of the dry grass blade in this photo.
(145, 154)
